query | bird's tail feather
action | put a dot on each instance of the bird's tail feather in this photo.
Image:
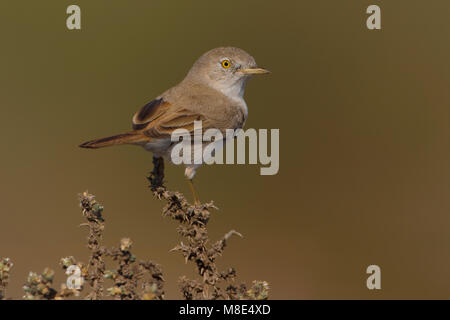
(123, 138)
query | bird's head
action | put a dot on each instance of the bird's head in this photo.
(225, 69)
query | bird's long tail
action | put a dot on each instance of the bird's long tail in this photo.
(123, 138)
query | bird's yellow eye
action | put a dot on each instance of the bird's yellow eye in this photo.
(226, 64)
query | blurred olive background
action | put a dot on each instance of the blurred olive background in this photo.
(363, 116)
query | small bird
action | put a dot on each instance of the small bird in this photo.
(211, 92)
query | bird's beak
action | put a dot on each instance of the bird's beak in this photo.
(254, 71)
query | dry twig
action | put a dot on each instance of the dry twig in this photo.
(143, 280)
(193, 220)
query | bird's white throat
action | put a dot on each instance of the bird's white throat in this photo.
(233, 90)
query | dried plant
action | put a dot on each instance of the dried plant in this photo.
(92, 211)
(132, 279)
(5, 268)
(193, 220)
(129, 274)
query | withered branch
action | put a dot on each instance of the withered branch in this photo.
(193, 220)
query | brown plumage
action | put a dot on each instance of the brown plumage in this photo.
(129, 137)
(154, 121)
(212, 92)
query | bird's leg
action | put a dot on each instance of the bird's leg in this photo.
(191, 185)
